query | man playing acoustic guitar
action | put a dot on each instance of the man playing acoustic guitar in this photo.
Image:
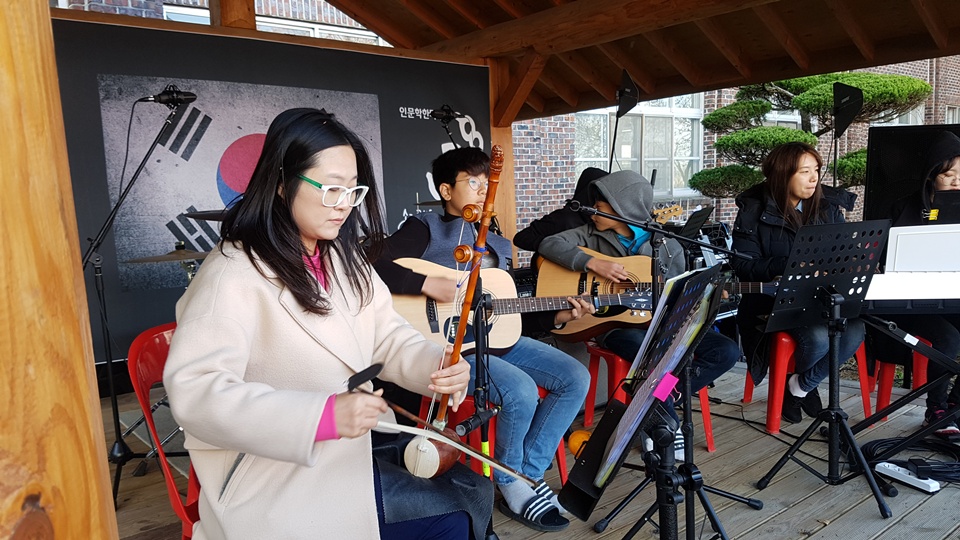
(528, 429)
(629, 195)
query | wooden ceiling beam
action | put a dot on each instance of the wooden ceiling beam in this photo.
(626, 61)
(367, 15)
(933, 22)
(582, 24)
(564, 91)
(511, 8)
(675, 55)
(535, 101)
(784, 34)
(521, 82)
(233, 13)
(471, 12)
(576, 61)
(851, 25)
(430, 17)
(722, 41)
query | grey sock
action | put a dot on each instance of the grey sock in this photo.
(516, 494)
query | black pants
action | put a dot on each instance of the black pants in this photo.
(943, 333)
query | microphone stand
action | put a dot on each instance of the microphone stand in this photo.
(119, 452)
(653, 228)
(481, 303)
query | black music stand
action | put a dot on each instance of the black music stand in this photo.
(831, 265)
(691, 302)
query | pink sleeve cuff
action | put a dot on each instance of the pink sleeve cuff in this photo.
(328, 421)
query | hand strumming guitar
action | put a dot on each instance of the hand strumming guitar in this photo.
(611, 270)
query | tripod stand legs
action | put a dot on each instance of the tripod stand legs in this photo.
(838, 427)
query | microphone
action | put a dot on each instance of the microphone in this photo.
(576, 206)
(171, 97)
(475, 420)
(445, 114)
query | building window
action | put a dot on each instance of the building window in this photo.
(913, 117)
(953, 115)
(664, 135)
(281, 26)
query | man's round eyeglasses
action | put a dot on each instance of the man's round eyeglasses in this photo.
(334, 196)
(475, 183)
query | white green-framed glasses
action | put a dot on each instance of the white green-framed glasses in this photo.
(334, 196)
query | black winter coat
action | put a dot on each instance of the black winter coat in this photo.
(761, 232)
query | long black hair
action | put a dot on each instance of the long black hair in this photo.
(261, 221)
(778, 168)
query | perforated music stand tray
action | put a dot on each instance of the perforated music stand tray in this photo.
(840, 257)
(684, 318)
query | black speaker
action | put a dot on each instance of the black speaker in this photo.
(895, 162)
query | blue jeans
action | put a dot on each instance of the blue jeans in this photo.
(713, 356)
(528, 429)
(812, 357)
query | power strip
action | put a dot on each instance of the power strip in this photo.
(907, 477)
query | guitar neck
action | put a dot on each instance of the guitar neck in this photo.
(503, 306)
(751, 287)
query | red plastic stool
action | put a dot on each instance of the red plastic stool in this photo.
(467, 409)
(617, 369)
(885, 372)
(782, 348)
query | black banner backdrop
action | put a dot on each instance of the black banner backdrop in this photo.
(206, 158)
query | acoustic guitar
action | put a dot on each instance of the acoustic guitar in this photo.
(554, 279)
(437, 320)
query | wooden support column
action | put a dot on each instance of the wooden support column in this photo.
(233, 13)
(506, 202)
(54, 477)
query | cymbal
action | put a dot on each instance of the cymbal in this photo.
(430, 203)
(175, 255)
(207, 215)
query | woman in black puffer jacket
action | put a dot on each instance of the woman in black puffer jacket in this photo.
(770, 214)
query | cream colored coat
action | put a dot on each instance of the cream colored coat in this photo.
(249, 372)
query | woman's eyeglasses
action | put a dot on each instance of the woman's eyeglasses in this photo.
(334, 196)
(475, 183)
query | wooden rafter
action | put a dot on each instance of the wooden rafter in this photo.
(851, 25)
(562, 88)
(576, 61)
(511, 8)
(784, 34)
(471, 12)
(430, 17)
(626, 61)
(367, 15)
(520, 84)
(722, 41)
(671, 50)
(584, 24)
(933, 22)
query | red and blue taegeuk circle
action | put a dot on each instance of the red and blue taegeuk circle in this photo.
(236, 166)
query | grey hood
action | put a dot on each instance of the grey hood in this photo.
(620, 189)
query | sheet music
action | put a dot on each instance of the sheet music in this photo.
(672, 355)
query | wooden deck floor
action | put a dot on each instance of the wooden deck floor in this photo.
(796, 504)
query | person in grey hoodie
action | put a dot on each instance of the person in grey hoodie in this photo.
(629, 195)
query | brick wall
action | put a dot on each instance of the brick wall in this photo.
(544, 169)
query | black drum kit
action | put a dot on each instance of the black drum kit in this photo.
(186, 257)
